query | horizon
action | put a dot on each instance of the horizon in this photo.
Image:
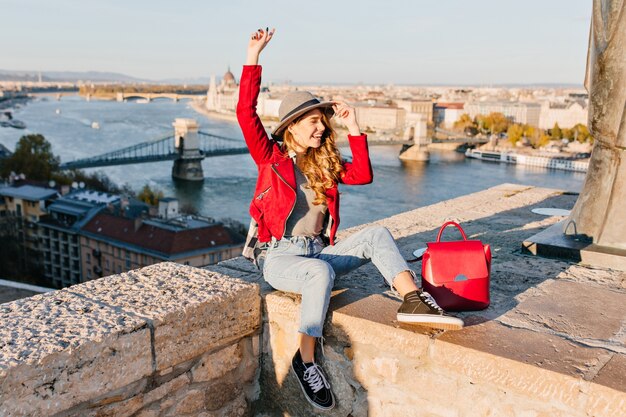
(484, 42)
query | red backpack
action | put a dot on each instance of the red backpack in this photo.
(456, 273)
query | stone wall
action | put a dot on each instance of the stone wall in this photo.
(165, 340)
(551, 343)
(173, 340)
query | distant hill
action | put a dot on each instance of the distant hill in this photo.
(51, 76)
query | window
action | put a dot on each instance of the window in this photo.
(127, 260)
(119, 268)
(88, 274)
(106, 264)
(88, 258)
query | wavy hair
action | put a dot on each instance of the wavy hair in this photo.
(321, 166)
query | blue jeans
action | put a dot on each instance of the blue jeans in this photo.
(305, 266)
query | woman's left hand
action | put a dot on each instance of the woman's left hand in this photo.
(347, 114)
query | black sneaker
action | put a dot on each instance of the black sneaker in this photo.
(313, 382)
(419, 307)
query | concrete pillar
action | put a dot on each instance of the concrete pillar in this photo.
(188, 165)
(419, 150)
(120, 97)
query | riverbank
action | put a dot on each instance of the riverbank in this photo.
(199, 107)
(12, 103)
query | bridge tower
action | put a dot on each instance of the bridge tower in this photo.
(188, 165)
(419, 150)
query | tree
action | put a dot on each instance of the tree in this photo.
(464, 122)
(581, 133)
(149, 196)
(539, 141)
(33, 157)
(515, 133)
(497, 123)
(556, 132)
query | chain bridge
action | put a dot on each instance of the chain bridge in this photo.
(188, 146)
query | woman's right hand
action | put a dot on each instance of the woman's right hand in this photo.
(258, 41)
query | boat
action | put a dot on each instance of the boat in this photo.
(565, 163)
(95, 125)
(15, 124)
(58, 111)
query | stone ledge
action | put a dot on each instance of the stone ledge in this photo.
(120, 335)
(542, 325)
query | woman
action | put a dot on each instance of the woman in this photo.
(296, 208)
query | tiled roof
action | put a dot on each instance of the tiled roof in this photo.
(154, 238)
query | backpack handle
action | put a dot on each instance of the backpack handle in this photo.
(455, 224)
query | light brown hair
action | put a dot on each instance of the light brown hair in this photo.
(321, 166)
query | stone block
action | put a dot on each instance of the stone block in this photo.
(191, 401)
(579, 310)
(168, 388)
(221, 393)
(236, 408)
(60, 349)
(507, 374)
(215, 365)
(613, 373)
(604, 401)
(191, 310)
(542, 351)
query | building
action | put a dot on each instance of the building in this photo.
(112, 244)
(416, 107)
(380, 117)
(223, 97)
(567, 115)
(59, 234)
(20, 210)
(445, 114)
(518, 112)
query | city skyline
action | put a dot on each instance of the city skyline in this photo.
(448, 43)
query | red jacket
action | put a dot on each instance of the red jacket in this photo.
(275, 194)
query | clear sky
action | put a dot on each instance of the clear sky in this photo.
(400, 42)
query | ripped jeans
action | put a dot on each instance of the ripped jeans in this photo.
(305, 266)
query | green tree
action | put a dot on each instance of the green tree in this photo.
(150, 196)
(33, 157)
(556, 132)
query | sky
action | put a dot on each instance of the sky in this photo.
(473, 42)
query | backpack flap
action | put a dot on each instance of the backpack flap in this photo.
(456, 261)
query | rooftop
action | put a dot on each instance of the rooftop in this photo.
(28, 192)
(153, 236)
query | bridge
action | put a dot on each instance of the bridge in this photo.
(153, 96)
(188, 146)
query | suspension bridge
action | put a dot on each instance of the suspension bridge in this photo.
(188, 146)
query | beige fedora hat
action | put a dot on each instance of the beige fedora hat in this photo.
(294, 105)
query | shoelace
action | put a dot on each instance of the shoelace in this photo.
(315, 378)
(430, 301)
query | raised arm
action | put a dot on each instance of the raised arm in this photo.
(253, 131)
(359, 171)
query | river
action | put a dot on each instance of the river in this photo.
(229, 180)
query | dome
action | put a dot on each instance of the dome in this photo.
(229, 77)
